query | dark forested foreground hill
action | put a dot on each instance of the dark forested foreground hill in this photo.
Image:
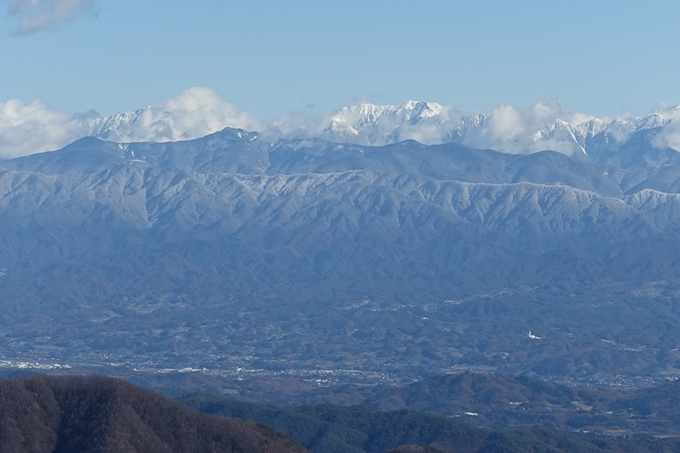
(50, 414)
(358, 429)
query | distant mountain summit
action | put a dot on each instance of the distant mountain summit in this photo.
(369, 124)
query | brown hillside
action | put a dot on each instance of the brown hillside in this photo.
(415, 449)
(50, 414)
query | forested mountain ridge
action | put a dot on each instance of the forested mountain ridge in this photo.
(490, 400)
(328, 428)
(54, 414)
(50, 414)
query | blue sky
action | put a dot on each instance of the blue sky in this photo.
(271, 58)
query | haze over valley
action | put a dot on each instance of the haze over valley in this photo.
(303, 256)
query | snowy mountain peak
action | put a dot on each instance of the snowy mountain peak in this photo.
(369, 114)
(658, 119)
(422, 110)
(381, 124)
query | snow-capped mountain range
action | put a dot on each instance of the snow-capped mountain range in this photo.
(30, 128)
(541, 127)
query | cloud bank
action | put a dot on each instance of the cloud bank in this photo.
(36, 15)
(28, 128)
(542, 126)
(670, 134)
(31, 127)
(195, 113)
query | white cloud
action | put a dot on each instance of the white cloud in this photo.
(195, 113)
(27, 128)
(668, 119)
(505, 123)
(36, 15)
(669, 137)
(539, 127)
(298, 125)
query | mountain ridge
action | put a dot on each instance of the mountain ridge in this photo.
(242, 251)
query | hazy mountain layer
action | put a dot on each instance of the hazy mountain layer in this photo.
(303, 254)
